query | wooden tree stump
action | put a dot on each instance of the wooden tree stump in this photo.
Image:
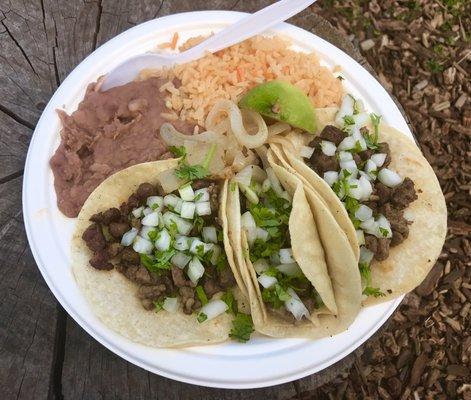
(44, 353)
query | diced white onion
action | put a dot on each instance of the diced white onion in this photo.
(379, 159)
(371, 168)
(366, 255)
(210, 234)
(170, 305)
(202, 195)
(163, 240)
(151, 219)
(363, 212)
(147, 211)
(306, 151)
(346, 108)
(361, 119)
(262, 234)
(347, 143)
(275, 183)
(181, 243)
(145, 230)
(203, 208)
(261, 265)
(345, 156)
(188, 210)
(178, 206)
(244, 176)
(267, 281)
(355, 190)
(286, 256)
(291, 269)
(137, 212)
(266, 185)
(370, 226)
(295, 306)
(142, 245)
(171, 200)
(389, 177)
(248, 224)
(195, 244)
(155, 202)
(349, 165)
(383, 224)
(360, 236)
(186, 192)
(129, 237)
(180, 260)
(184, 227)
(249, 193)
(195, 270)
(331, 177)
(328, 148)
(213, 309)
(366, 187)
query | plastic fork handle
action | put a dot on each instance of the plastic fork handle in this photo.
(246, 28)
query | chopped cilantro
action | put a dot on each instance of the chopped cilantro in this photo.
(158, 304)
(242, 328)
(373, 139)
(201, 317)
(365, 272)
(153, 235)
(191, 172)
(281, 293)
(231, 302)
(262, 249)
(198, 196)
(173, 229)
(221, 262)
(384, 231)
(178, 151)
(198, 223)
(348, 120)
(160, 262)
(201, 295)
(233, 186)
(204, 257)
(357, 148)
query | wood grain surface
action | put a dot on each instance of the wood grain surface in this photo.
(44, 354)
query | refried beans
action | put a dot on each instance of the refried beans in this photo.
(108, 132)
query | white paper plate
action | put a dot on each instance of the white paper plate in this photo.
(261, 362)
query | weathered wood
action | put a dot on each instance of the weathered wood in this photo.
(42, 355)
(27, 311)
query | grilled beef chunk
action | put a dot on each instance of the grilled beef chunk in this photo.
(383, 192)
(399, 225)
(179, 279)
(146, 190)
(100, 260)
(226, 278)
(379, 246)
(118, 229)
(111, 215)
(404, 194)
(333, 134)
(321, 163)
(114, 249)
(366, 154)
(94, 238)
(151, 291)
(129, 256)
(187, 299)
(138, 274)
(213, 197)
(383, 147)
(210, 287)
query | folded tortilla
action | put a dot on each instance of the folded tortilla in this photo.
(409, 262)
(113, 298)
(331, 270)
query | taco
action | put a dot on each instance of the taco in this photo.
(298, 284)
(386, 192)
(157, 267)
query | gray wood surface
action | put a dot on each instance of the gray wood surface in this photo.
(44, 354)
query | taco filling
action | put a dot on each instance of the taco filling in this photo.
(353, 161)
(285, 290)
(168, 244)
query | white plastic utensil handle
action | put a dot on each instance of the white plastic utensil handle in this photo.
(246, 28)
